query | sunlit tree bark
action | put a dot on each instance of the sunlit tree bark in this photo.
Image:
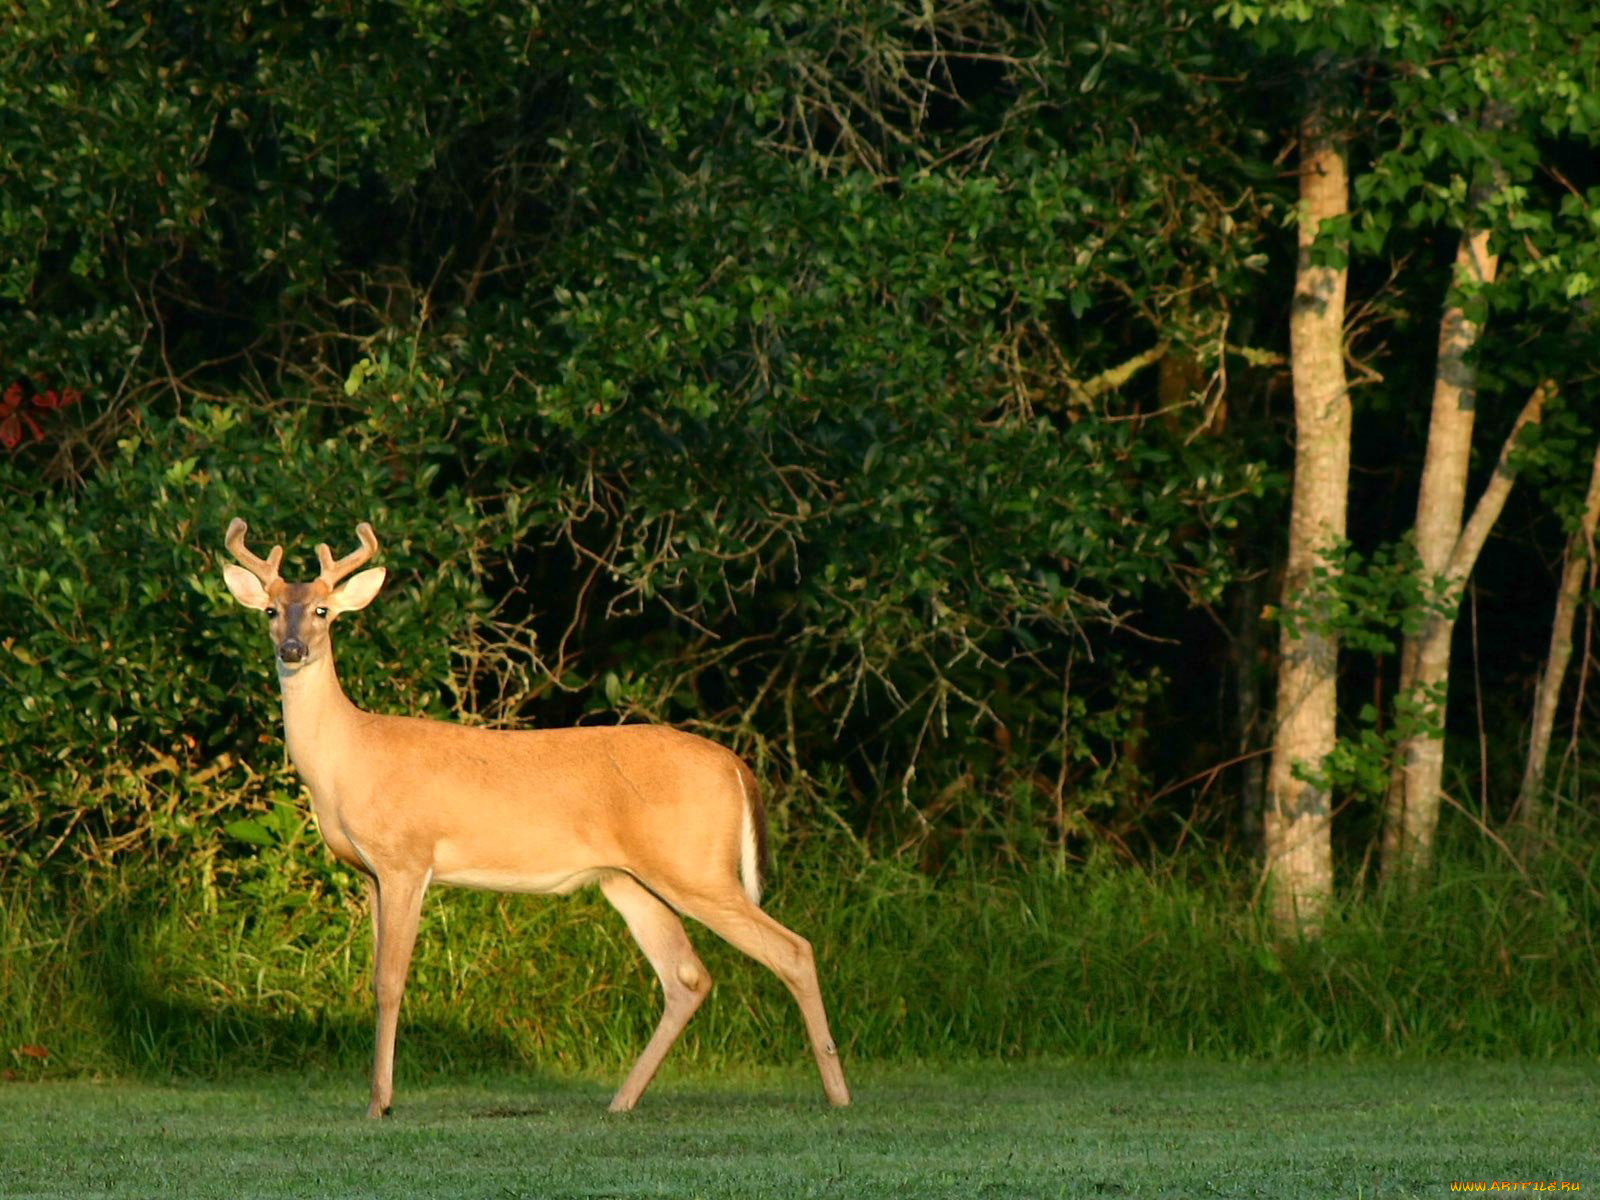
(1411, 809)
(1448, 551)
(1297, 825)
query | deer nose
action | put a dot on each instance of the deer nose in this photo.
(291, 650)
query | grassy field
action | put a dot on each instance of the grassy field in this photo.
(1321, 1130)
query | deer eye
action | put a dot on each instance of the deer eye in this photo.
(271, 612)
(321, 612)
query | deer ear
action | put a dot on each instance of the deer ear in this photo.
(357, 591)
(246, 588)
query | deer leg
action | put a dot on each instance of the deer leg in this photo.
(685, 982)
(396, 911)
(733, 917)
(369, 884)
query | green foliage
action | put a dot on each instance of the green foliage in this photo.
(730, 367)
(139, 698)
(844, 381)
(1366, 602)
(1479, 99)
(1366, 605)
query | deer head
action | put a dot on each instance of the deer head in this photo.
(299, 614)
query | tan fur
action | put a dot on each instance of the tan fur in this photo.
(664, 821)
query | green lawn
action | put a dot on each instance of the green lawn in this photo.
(1372, 1130)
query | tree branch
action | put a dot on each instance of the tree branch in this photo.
(1112, 378)
(1487, 511)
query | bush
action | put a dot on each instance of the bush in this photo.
(664, 404)
(138, 696)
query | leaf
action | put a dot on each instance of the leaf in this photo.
(359, 374)
(249, 830)
(22, 653)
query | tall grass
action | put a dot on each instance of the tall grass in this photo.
(267, 966)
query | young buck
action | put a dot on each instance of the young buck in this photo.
(665, 822)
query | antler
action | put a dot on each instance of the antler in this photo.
(333, 572)
(264, 569)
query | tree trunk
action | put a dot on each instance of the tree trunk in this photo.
(1297, 829)
(1578, 559)
(1411, 816)
(1412, 807)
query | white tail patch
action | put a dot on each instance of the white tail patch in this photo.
(749, 859)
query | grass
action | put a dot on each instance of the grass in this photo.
(206, 1033)
(264, 964)
(1176, 1129)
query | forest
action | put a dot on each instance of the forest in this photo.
(1124, 476)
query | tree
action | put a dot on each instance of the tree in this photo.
(1463, 106)
(1448, 551)
(1577, 561)
(1298, 821)
(1499, 74)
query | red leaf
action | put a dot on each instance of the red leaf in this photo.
(10, 432)
(70, 397)
(12, 399)
(31, 1051)
(46, 400)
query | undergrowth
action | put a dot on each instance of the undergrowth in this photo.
(263, 963)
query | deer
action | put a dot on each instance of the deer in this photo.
(666, 823)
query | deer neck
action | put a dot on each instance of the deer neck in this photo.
(318, 720)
